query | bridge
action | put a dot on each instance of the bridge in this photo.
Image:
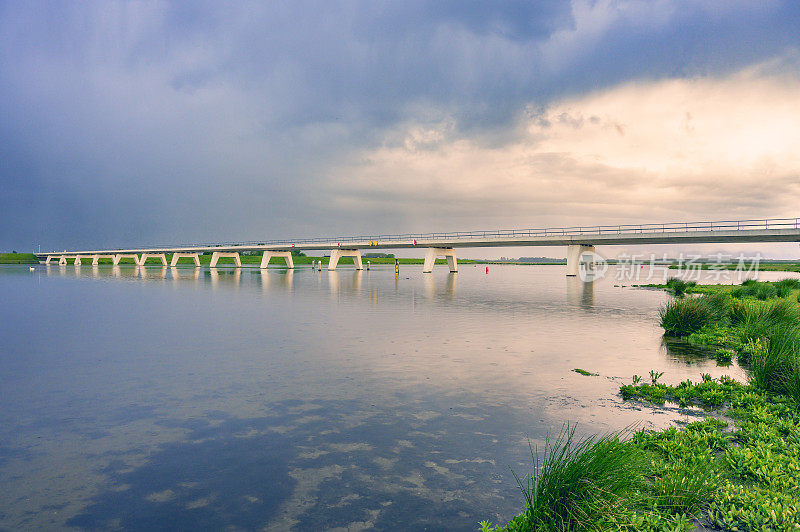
(580, 243)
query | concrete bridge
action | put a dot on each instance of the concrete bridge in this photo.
(580, 243)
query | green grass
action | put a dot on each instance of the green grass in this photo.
(584, 372)
(18, 258)
(740, 477)
(679, 287)
(682, 317)
(578, 483)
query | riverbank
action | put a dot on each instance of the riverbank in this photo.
(736, 469)
(18, 258)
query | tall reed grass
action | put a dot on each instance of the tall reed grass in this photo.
(775, 362)
(758, 319)
(577, 482)
(682, 317)
(767, 329)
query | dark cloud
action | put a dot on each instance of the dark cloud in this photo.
(126, 123)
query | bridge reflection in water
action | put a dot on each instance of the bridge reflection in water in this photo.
(580, 292)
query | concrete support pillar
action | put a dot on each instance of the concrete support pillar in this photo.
(337, 254)
(219, 254)
(48, 259)
(287, 256)
(433, 253)
(120, 256)
(62, 261)
(146, 256)
(77, 261)
(178, 256)
(574, 253)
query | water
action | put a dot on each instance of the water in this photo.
(150, 399)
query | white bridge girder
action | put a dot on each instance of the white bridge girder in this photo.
(580, 242)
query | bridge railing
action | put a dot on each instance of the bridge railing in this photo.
(674, 227)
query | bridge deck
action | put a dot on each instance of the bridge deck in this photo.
(770, 230)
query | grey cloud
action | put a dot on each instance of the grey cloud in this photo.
(131, 122)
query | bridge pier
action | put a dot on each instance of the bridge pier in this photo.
(120, 256)
(178, 256)
(62, 261)
(574, 254)
(146, 256)
(337, 254)
(96, 259)
(220, 254)
(433, 253)
(287, 256)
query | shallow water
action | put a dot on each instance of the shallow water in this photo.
(150, 399)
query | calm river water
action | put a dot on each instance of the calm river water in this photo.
(163, 399)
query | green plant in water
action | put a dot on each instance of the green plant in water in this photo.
(584, 372)
(682, 317)
(679, 287)
(636, 379)
(724, 356)
(654, 375)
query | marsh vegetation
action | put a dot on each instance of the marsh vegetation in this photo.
(737, 469)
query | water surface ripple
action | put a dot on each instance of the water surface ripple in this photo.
(195, 399)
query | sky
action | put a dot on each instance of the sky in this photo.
(135, 123)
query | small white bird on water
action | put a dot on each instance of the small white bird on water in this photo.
(32, 268)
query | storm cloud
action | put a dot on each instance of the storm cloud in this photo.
(136, 123)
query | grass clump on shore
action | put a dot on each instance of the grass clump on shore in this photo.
(732, 478)
(578, 483)
(682, 317)
(651, 482)
(679, 287)
(755, 323)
